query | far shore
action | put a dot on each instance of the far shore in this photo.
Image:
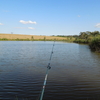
(27, 37)
(20, 37)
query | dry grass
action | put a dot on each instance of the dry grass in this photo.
(36, 37)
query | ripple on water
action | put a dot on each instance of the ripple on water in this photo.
(75, 72)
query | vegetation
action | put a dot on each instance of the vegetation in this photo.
(69, 38)
(32, 38)
(91, 38)
(5, 39)
(95, 44)
(17, 37)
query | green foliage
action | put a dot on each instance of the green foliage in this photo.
(32, 38)
(4, 39)
(95, 44)
(81, 41)
(91, 38)
(44, 38)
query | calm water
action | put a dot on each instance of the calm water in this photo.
(75, 72)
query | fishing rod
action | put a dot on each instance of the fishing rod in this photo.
(46, 76)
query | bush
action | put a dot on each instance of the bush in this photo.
(95, 44)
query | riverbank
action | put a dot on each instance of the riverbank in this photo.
(94, 44)
(17, 37)
(90, 38)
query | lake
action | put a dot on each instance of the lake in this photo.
(75, 72)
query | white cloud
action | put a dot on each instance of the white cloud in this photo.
(31, 28)
(27, 22)
(79, 16)
(24, 27)
(1, 24)
(97, 25)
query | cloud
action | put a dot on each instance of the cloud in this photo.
(1, 24)
(24, 27)
(97, 25)
(31, 28)
(79, 16)
(27, 22)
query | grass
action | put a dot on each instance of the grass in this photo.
(92, 40)
(17, 37)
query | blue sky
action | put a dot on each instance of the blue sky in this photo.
(49, 17)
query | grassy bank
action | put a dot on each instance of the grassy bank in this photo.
(95, 44)
(5, 39)
(17, 37)
(91, 38)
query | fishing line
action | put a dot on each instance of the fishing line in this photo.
(46, 76)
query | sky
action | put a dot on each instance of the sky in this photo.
(49, 17)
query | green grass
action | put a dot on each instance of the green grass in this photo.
(5, 39)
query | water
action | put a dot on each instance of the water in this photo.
(75, 72)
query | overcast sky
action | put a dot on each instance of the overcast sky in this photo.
(49, 17)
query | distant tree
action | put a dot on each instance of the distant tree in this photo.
(32, 38)
(95, 33)
(83, 35)
(44, 38)
(88, 32)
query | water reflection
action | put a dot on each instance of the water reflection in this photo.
(75, 72)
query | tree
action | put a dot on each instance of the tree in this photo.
(83, 35)
(44, 38)
(95, 33)
(32, 38)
